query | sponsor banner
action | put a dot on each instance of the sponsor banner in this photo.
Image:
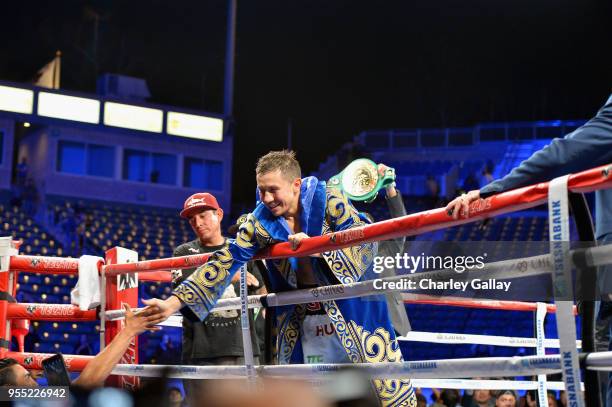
(245, 324)
(559, 232)
(541, 351)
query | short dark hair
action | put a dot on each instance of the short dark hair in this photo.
(283, 160)
(450, 397)
(7, 376)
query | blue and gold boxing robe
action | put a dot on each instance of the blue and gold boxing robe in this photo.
(362, 324)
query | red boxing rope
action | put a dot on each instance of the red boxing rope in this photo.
(44, 265)
(409, 225)
(74, 363)
(428, 221)
(485, 304)
(156, 276)
(182, 262)
(49, 312)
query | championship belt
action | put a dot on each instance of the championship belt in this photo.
(361, 181)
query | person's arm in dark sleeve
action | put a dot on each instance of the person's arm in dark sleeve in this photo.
(588, 146)
(395, 203)
(187, 341)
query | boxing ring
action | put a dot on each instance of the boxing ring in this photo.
(121, 271)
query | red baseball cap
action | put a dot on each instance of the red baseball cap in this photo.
(198, 202)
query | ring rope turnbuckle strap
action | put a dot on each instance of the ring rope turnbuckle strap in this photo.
(559, 231)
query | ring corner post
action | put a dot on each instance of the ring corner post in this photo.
(121, 289)
(8, 248)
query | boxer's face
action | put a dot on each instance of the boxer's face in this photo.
(280, 194)
(207, 225)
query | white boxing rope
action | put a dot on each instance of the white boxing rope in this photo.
(599, 361)
(468, 384)
(505, 269)
(474, 339)
(427, 369)
(175, 321)
(559, 232)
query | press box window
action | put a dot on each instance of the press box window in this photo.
(205, 174)
(143, 166)
(100, 160)
(71, 157)
(85, 159)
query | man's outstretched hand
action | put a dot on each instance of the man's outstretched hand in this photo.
(135, 324)
(160, 310)
(460, 206)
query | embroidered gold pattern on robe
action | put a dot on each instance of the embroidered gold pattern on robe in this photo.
(289, 331)
(206, 285)
(349, 342)
(378, 347)
(348, 264)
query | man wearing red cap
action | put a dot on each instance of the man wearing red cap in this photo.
(217, 340)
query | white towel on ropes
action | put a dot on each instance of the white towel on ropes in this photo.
(86, 293)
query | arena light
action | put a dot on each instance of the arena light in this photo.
(194, 126)
(16, 100)
(133, 117)
(68, 107)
